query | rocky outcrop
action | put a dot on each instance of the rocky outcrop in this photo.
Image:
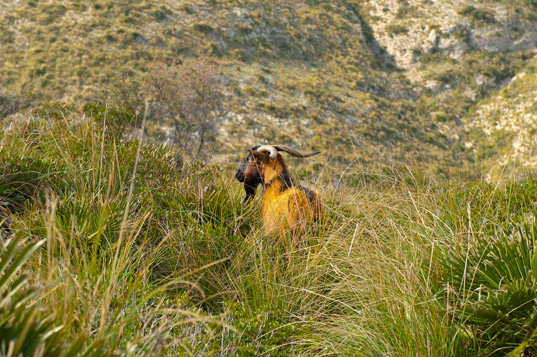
(409, 29)
(509, 124)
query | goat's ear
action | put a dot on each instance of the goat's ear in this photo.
(260, 155)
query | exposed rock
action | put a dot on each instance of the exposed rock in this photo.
(409, 29)
(512, 118)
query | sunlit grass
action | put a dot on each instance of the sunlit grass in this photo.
(142, 254)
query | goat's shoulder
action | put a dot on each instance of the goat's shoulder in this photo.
(311, 194)
(297, 195)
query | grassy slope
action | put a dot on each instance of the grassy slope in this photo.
(143, 253)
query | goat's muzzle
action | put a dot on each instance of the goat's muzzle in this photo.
(239, 175)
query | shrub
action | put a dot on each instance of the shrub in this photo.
(191, 96)
(406, 11)
(203, 27)
(116, 120)
(395, 29)
(463, 35)
(159, 15)
(478, 14)
(50, 12)
(24, 330)
(493, 284)
(16, 319)
(126, 94)
(488, 271)
(186, 8)
(54, 110)
(9, 104)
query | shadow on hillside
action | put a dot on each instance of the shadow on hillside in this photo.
(384, 58)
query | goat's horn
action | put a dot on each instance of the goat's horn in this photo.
(295, 152)
(272, 151)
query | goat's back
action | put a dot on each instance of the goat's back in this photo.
(314, 198)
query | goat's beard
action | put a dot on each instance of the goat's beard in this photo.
(251, 178)
(250, 184)
(250, 192)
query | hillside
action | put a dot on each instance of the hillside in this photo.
(386, 79)
(304, 74)
(473, 61)
(505, 125)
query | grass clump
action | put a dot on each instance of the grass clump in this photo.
(407, 12)
(8, 105)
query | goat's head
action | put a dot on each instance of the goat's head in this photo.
(252, 170)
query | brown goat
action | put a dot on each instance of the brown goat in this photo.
(285, 204)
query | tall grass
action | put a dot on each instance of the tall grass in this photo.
(144, 254)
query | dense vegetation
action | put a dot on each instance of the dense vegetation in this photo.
(112, 246)
(114, 242)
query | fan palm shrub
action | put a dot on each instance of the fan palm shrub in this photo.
(24, 329)
(491, 285)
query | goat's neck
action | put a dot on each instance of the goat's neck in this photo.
(277, 179)
(272, 193)
(274, 185)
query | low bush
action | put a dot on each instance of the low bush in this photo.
(478, 15)
(395, 29)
